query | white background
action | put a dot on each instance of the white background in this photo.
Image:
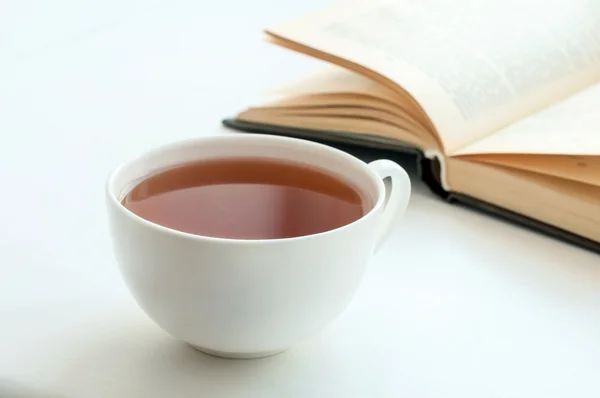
(455, 305)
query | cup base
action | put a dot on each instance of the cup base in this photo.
(237, 355)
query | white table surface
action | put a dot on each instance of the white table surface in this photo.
(455, 305)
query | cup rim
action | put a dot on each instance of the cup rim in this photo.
(112, 198)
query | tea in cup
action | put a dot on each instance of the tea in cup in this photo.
(243, 245)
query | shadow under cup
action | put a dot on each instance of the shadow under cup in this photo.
(242, 298)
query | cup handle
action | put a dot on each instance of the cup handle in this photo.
(397, 196)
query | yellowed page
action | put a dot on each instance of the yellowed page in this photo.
(584, 169)
(473, 65)
(570, 127)
(377, 130)
(335, 79)
(336, 87)
(569, 205)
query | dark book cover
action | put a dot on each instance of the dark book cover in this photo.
(368, 148)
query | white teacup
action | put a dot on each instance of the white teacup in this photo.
(250, 298)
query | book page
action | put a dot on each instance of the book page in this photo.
(474, 66)
(335, 80)
(569, 127)
(580, 168)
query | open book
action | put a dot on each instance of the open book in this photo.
(501, 98)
